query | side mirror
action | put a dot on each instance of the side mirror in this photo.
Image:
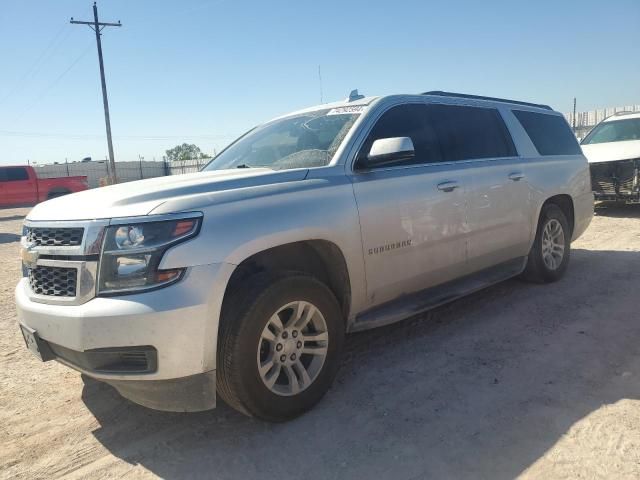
(389, 150)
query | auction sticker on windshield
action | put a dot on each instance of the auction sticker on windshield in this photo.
(347, 110)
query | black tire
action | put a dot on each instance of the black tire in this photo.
(244, 316)
(537, 270)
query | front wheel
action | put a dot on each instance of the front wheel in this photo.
(280, 338)
(549, 255)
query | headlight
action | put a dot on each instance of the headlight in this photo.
(131, 254)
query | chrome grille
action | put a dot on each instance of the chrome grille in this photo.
(60, 260)
(53, 281)
(54, 237)
(613, 178)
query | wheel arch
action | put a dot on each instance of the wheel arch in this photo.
(322, 259)
(565, 203)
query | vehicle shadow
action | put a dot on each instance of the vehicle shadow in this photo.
(617, 210)
(480, 388)
(9, 218)
(9, 238)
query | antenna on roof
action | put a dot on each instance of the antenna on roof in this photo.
(354, 95)
(320, 80)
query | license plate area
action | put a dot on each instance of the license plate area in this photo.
(35, 344)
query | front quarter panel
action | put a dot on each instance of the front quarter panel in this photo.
(239, 224)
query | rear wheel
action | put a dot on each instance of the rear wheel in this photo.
(280, 339)
(549, 255)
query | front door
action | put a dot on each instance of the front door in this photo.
(412, 215)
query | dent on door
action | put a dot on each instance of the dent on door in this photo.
(499, 221)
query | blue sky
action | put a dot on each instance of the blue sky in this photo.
(204, 71)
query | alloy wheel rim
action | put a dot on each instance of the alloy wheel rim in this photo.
(553, 244)
(292, 348)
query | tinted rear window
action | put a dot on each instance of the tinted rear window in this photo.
(550, 134)
(470, 132)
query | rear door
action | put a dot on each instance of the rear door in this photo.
(499, 223)
(412, 214)
(17, 187)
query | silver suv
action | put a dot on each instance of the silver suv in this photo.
(243, 279)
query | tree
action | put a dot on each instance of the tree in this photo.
(184, 152)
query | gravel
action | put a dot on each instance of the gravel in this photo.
(519, 380)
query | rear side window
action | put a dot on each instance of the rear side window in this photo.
(550, 134)
(13, 174)
(466, 133)
(409, 120)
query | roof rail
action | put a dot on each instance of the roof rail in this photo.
(440, 93)
(623, 112)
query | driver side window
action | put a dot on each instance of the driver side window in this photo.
(409, 120)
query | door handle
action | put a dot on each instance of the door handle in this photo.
(515, 176)
(448, 186)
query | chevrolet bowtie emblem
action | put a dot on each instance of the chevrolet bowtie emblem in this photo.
(29, 257)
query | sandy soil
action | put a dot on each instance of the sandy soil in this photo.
(516, 381)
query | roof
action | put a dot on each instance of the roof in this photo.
(622, 116)
(435, 94)
(341, 103)
(440, 93)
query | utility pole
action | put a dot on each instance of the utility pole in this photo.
(97, 27)
(574, 115)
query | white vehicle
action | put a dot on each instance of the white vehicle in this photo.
(613, 150)
(244, 278)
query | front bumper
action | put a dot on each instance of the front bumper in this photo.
(616, 180)
(178, 323)
(618, 197)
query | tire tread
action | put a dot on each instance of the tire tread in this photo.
(237, 309)
(535, 271)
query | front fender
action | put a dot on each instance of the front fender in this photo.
(240, 224)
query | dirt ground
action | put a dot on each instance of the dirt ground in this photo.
(519, 380)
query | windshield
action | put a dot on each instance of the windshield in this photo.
(616, 131)
(300, 141)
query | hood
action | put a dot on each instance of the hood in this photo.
(612, 151)
(139, 198)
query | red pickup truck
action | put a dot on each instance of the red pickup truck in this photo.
(21, 186)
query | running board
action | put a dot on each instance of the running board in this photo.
(412, 304)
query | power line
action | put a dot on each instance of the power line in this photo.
(36, 67)
(52, 84)
(97, 27)
(91, 136)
